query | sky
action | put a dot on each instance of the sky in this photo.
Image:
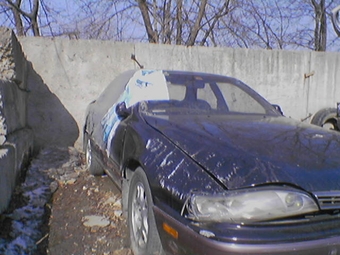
(65, 13)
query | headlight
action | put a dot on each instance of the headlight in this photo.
(250, 205)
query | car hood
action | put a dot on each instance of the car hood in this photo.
(243, 151)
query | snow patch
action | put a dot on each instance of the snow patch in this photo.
(50, 167)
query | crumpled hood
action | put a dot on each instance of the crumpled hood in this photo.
(244, 151)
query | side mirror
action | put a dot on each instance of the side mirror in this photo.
(278, 109)
(122, 111)
(336, 19)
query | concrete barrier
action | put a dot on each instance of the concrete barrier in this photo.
(16, 138)
(76, 71)
(14, 155)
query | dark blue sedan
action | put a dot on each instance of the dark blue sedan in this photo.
(207, 166)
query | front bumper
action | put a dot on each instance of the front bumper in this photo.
(190, 242)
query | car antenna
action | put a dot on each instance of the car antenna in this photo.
(133, 57)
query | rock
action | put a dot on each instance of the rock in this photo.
(69, 176)
(110, 200)
(54, 186)
(118, 213)
(118, 203)
(95, 221)
(123, 252)
(71, 181)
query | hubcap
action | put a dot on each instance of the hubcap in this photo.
(139, 217)
(329, 125)
(88, 154)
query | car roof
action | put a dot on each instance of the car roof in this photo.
(112, 92)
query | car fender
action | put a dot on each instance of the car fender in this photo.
(172, 174)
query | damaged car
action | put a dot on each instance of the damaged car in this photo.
(208, 166)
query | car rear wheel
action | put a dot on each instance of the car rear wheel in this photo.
(141, 220)
(91, 162)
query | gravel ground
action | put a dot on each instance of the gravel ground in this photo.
(59, 208)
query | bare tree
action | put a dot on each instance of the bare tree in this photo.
(179, 22)
(152, 35)
(20, 15)
(268, 24)
(278, 24)
(322, 15)
(102, 20)
(197, 25)
(320, 31)
(17, 19)
(262, 24)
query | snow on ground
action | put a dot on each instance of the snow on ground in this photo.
(53, 166)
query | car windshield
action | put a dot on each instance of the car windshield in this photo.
(204, 94)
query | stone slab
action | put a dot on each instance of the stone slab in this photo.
(14, 155)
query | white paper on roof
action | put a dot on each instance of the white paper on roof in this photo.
(144, 85)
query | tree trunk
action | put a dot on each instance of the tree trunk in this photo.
(17, 19)
(167, 22)
(320, 31)
(34, 18)
(147, 22)
(179, 22)
(197, 25)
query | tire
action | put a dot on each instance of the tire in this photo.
(92, 163)
(326, 118)
(144, 238)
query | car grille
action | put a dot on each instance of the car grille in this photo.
(328, 200)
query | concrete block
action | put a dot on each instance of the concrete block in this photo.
(7, 174)
(12, 60)
(79, 71)
(7, 64)
(14, 156)
(16, 140)
(12, 107)
(22, 140)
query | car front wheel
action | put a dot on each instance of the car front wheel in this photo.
(91, 162)
(141, 220)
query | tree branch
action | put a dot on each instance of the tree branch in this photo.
(222, 12)
(194, 30)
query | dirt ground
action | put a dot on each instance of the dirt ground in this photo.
(83, 215)
(72, 203)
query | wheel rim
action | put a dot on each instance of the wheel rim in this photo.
(139, 219)
(329, 125)
(88, 154)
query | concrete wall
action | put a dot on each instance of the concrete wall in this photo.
(69, 74)
(16, 138)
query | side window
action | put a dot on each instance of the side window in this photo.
(206, 94)
(176, 92)
(240, 101)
